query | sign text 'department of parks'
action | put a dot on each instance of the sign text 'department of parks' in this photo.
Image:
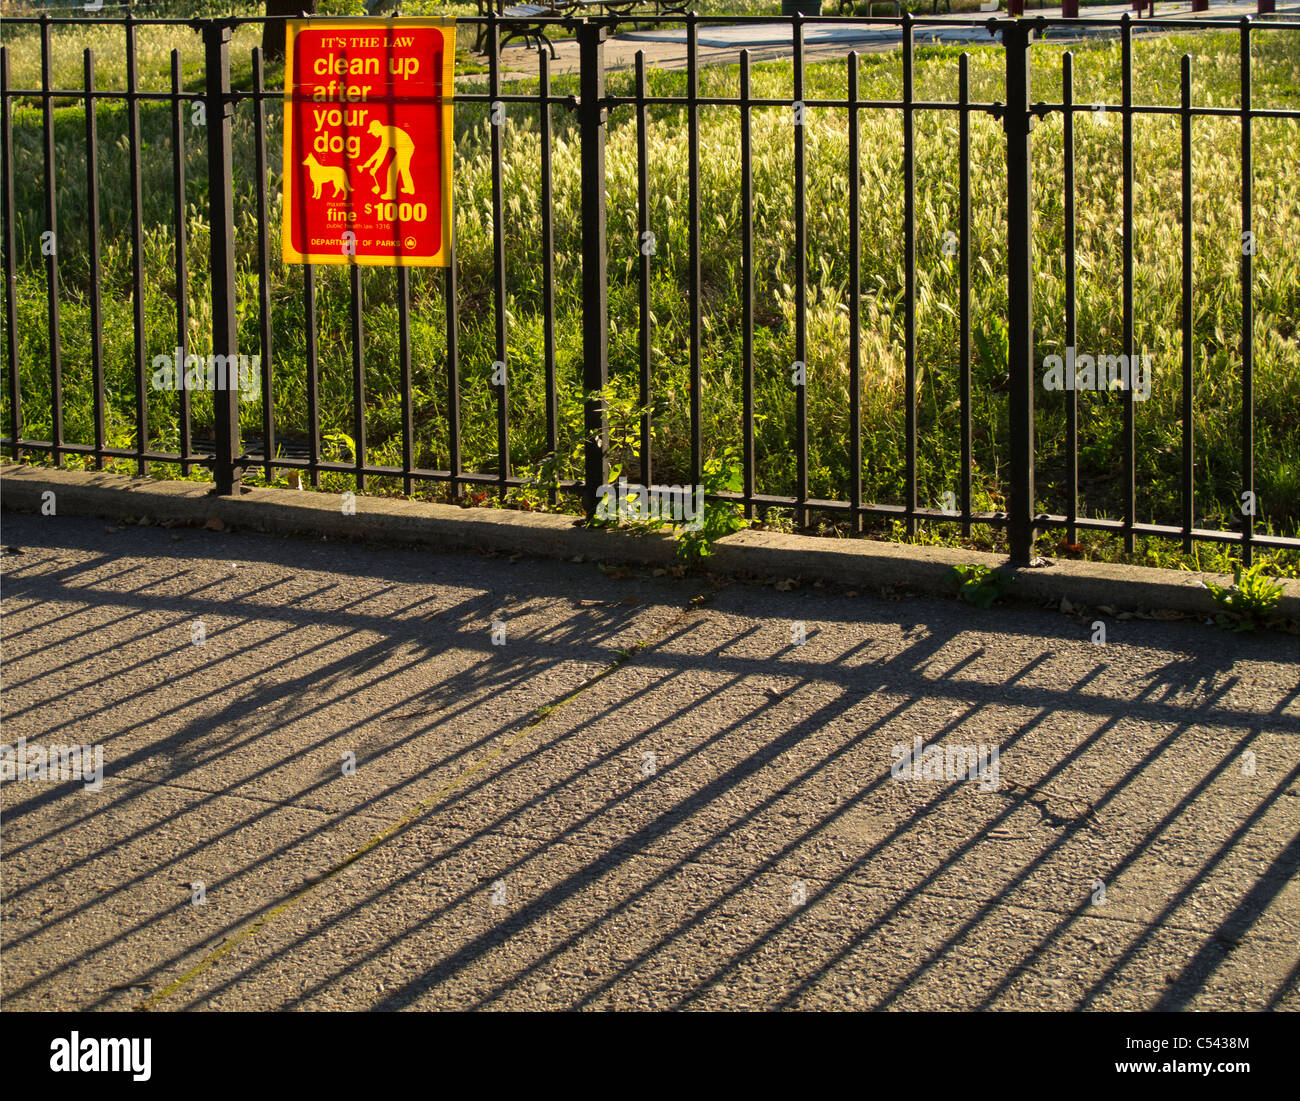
(368, 141)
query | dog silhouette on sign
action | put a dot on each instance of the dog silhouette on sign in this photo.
(322, 174)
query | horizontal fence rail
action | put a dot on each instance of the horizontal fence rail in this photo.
(594, 281)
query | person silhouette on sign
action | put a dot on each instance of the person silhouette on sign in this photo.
(399, 141)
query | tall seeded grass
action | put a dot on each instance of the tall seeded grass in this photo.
(1216, 422)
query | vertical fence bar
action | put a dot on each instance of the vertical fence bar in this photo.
(1185, 120)
(1130, 473)
(357, 339)
(137, 249)
(1018, 122)
(404, 370)
(309, 324)
(181, 268)
(548, 267)
(747, 281)
(402, 281)
(693, 218)
(313, 372)
(52, 250)
(909, 269)
(225, 398)
(1247, 309)
(263, 269)
(358, 336)
(1071, 394)
(595, 305)
(855, 301)
(11, 274)
(645, 238)
(800, 277)
(451, 304)
(92, 255)
(499, 265)
(963, 157)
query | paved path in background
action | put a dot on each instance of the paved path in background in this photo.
(720, 44)
(641, 799)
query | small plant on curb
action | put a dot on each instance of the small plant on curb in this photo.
(541, 485)
(720, 474)
(978, 585)
(777, 519)
(633, 523)
(1249, 602)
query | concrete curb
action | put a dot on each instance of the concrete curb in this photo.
(857, 562)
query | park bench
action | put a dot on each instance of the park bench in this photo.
(524, 20)
(898, 7)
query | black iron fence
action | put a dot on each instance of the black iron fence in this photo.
(584, 112)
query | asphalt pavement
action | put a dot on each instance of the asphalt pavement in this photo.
(338, 776)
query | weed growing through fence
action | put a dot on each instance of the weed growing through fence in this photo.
(721, 518)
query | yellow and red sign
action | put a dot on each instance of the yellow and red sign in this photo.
(368, 141)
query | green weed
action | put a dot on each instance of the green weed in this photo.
(1249, 602)
(978, 585)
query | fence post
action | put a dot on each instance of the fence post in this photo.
(595, 305)
(7, 209)
(1018, 122)
(221, 216)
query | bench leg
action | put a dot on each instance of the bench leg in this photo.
(523, 33)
